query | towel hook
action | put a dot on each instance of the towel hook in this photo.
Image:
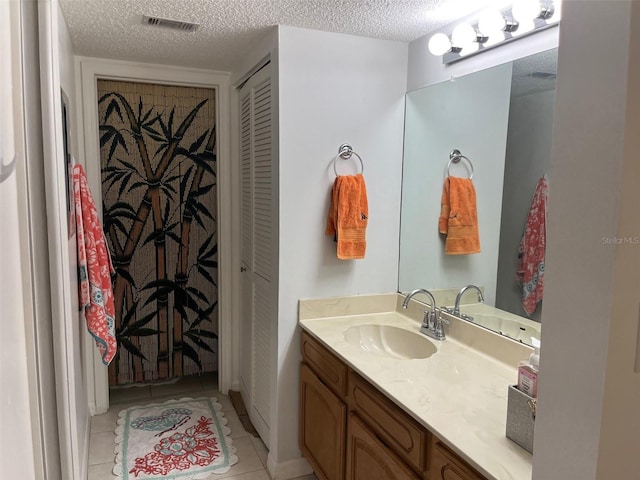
(345, 152)
(454, 157)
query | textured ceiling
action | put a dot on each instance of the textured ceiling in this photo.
(229, 28)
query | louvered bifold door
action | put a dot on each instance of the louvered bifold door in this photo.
(246, 246)
(259, 293)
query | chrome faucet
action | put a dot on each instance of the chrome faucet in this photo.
(431, 322)
(456, 307)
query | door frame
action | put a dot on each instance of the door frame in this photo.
(88, 71)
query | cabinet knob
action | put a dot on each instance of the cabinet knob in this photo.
(243, 269)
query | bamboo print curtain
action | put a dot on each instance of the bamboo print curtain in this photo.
(158, 160)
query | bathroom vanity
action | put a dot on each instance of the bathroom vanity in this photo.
(379, 400)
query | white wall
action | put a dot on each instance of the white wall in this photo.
(439, 119)
(620, 431)
(73, 418)
(16, 439)
(75, 325)
(588, 423)
(333, 88)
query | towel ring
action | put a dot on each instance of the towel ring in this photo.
(454, 157)
(345, 152)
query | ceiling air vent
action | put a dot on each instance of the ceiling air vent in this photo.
(169, 23)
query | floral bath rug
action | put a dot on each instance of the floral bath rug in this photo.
(184, 439)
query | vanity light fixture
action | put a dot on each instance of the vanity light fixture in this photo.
(493, 22)
(526, 10)
(439, 44)
(495, 27)
(464, 35)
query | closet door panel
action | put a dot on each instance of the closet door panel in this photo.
(258, 253)
(246, 284)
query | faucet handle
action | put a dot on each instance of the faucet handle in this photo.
(435, 318)
(438, 317)
(426, 317)
(438, 325)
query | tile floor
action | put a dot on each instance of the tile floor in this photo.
(252, 453)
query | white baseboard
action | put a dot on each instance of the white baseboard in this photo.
(288, 470)
(84, 455)
(235, 385)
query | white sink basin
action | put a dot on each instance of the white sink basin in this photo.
(510, 328)
(390, 341)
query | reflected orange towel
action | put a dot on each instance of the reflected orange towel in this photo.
(348, 216)
(459, 217)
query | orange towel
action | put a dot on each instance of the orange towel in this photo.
(348, 216)
(459, 217)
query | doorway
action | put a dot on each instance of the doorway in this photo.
(162, 362)
(159, 197)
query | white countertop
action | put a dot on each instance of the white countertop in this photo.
(459, 393)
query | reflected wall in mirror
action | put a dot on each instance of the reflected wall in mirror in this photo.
(501, 118)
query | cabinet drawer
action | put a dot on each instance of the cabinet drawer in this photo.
(446, 465)
(325, 364)
(369, 459)
(397, 429)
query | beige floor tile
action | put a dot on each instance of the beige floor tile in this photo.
(102, 471)
(186, 386)
(307, 477)
(234, 423)
(252, 456)
(223, 400)
(128, 395)
(251, 452)
(105, 422)
(101, 448)
(209, 381)
(260, 448)
(248, 460)
(257, 475)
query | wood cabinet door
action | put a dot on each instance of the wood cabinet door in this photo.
(323, 419)
(370, 459)
(395, 428)
(445, 465)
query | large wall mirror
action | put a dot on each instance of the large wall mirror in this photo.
(501, 118)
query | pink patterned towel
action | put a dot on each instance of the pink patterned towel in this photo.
(530, 269)
(94, 265)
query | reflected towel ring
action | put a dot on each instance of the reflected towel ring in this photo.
(345, 152)
(454, 157)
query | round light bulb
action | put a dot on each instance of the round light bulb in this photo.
(469, 49)
(491, 23)
(526, 10)
(463, 35)
(439, 44)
